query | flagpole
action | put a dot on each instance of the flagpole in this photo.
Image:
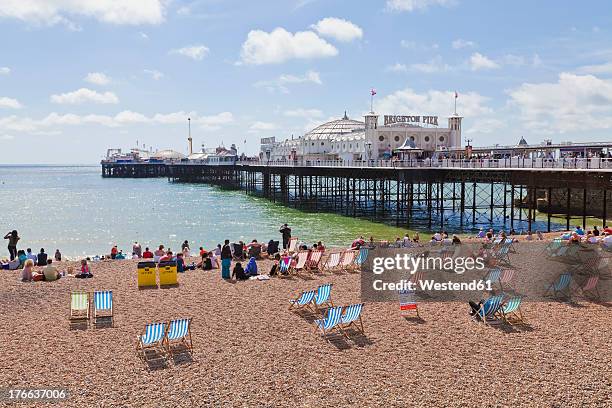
(371, 102)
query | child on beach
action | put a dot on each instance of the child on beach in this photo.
(85, 271)
(26, 273)
(238, 272)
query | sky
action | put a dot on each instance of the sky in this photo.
(78, 77)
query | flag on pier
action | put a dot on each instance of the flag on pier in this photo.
(372, 91)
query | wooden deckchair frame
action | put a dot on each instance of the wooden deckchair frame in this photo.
(78, 317)
(96, 316)
(159, 344)
(359, 326)
(182, 339)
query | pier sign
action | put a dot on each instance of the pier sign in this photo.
(427, 120)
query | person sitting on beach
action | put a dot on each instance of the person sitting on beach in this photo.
(114, 252)
(607, 230)
(26, 272)
(254, 249)
(30, 255)
(251, 268)
(475, 307)
(489, 234)
(579, 230)
(50, 272)
(41, 258)
(85, 272)
(398, 242)
(433, 240)
(529, 236)
(456, 240)
(606, 242)
(540, 235)
(574, 238)
(481, 233)
(206, 263)
(595, 231)
(416, 238)
(166, 257)
(57, 256)
(120, 255)
(406, 241)
(160, 251)
(21, 255)
(147, 254)
(217, 251)
(438, 236)
(137, 249)
(238, 272)
(180, 263)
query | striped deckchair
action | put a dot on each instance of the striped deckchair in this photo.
(331, 321)
(352, 317)
(347, 262)
(284, 265)
(314, 259)
(502, 253)
(561, 285)
(416, 278)
(153, 337)
(361, 257)
(407, 301)
(303, 300)
(323, 296)
(300, 264)
(332, 262)
(292, 244)
(79, 307)
(506, 277)
(493, 275)
(179, 330)
(103, 302)
(510, 311)
(589, 288)
(489, 309)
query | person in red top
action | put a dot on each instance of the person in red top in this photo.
(147, 254)
(167, 257)
(114, 252)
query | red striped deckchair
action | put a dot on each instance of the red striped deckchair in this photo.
(313, 261)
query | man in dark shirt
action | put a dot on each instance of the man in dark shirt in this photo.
(286, 232)
(226, 260)
(41, 258)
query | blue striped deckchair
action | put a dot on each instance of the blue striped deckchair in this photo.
(331, 320)
(361, 257)
(407, 301)
(352, 317)
(303, 300)
(489, 308)
(502, 253)
(179, 330)
(493, 275)
(323, 296)
(561, 285)
(79, 307)
(510, 311)
(153, 337)
(283, 265)
(103, 301)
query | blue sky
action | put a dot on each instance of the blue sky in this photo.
(79, 77)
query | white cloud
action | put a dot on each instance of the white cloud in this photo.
(214, 122)
(130, 117)
(5, 70)
(83, 95)
(280, 84)
(397, 67)
(303, 113)
(433, 102)
(485, 126)
(412, 5)
(433, 66)
(536, 61)
(573, 103)
(417, 46)
(7, 137)
(338, 28)
(511, 59)
(143, 36)
(155, 74)
(10, 103)
(195, 52)
(461, 43)
(262, 126)
(50, 12)
(97, 78)
(478, 61)
(280, 45)
(605, 68)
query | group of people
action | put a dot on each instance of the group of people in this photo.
(601, 237)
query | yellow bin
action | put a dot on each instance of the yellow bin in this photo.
(167, 274)
(146, 274)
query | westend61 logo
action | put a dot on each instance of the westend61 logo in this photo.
(408, 264)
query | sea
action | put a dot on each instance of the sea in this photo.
(75, 210)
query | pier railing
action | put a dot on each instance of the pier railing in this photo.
(509, 163)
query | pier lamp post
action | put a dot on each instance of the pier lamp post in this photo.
(368, 145)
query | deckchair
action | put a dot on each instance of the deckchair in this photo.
(352, 317)
(153, 337)
(179, 330)
(348, 257)
(237, 252)
(314, 259)
(323, 296)
(407, 301)
(510, 311)
(292, 244)
(300, 263)
(493, 275)
(331, 320)
(332, 262)
(561, 285)
(284, 265)
(303, 300)
(79, 307)
(361, 257)
(489, 308)
(506, 277)
(589, 288)
(103, 302)
(502, 253)
(416, 278)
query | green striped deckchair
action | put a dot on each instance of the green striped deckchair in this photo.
(79, 307)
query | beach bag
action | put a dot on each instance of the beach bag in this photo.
(38, 277)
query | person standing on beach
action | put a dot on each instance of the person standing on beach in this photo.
(13, 238)
(226, 260)
(286, 232)
(137, 249)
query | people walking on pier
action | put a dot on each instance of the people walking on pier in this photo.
(286, 233)
(226, 260)
(13, 238)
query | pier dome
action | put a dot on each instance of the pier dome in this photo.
(335, 128)
(168, 155)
